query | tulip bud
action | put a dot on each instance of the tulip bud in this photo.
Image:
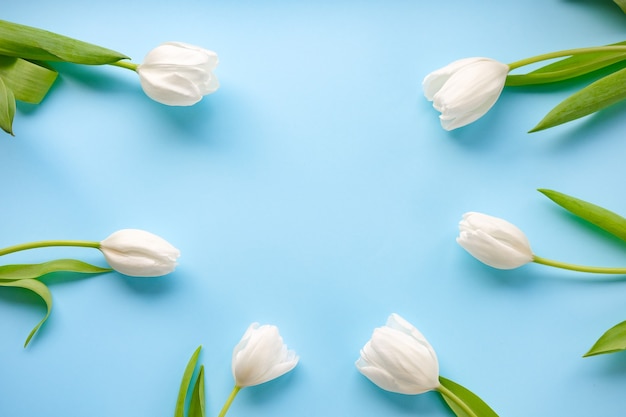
(261, 356)
(465, 90)
(494, 241)
(178, 74)
(138, 253)
(398, 358)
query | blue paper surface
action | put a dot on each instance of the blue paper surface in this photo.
(315, 191)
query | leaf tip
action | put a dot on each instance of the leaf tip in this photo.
(30, 336)
(8, 127)
(547, 192)
(539, 127)
(593, 352)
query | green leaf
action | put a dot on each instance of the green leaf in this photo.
(29, 81)
(41, 290)
(567, 68)
(462, 401)
(32, 271)
(575, 65)
(621, 4)
(613, 340)
(196, 406)
(41, 45)
(596, 96)
(7, 107)
(179, 411)
(601, 217)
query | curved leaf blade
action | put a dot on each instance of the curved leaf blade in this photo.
(596, 96)
(613, 340)
(41, 290)
(30, 82)
(569, 67)
(565, 69)
(454, 393)
(599, 216)
(7, 107)
(196, 406)
(41, 45)
(621, 4)
(179, 411)
(32, 271)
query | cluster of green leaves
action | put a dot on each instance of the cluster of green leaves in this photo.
(25, 74)
(614, 339)
(28, 277)
(191, 393)
(603, 92)
(463, 402)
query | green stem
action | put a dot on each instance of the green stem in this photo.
(564, 53)
(580, 268)
(229, 401)
(452, 396)
(49, 243)
(126, 64)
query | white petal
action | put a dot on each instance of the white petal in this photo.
(433, 82)
(261, 356)
(139, 253)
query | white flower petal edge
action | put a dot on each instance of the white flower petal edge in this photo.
(434, 81)
(261, 356)
(398, 358)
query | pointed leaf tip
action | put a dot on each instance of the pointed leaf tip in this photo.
(613, 340)
(42, 291)
(7, 107)
(185, 384)
(598, 95)
(605, 219)
(196, 405)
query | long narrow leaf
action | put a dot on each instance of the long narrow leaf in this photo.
(579, 59)
(596, 96)
(7, 107)
(32, 271)
(30, 82)
(566, 69)
(196, 406)
(41, 290)
(41, 45)
(621, 4)
(179, 411)
(453, 394)
(613, 340)
(599, 216)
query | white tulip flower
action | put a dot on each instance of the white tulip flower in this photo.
(465, 90)
(139, 253)
(178, 74)
(494, 241)
(398, 358)
(261, 356)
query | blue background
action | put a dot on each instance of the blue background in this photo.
(315, 191)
